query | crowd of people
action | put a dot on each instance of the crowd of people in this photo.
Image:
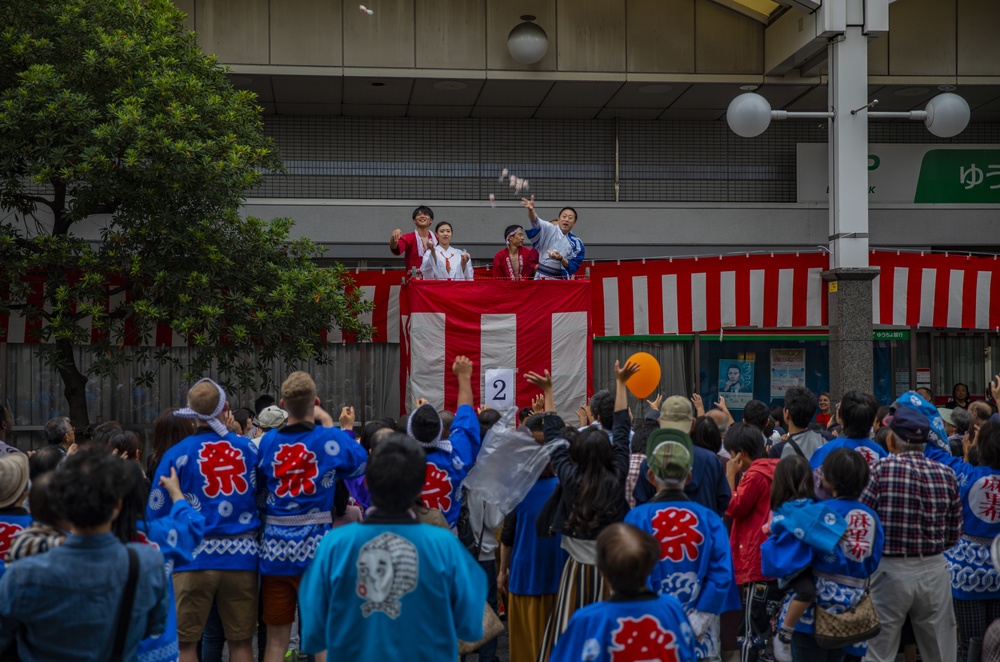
(681, 535)
(555, 252)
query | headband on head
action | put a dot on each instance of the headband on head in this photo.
(511, 234)
(211, 419)
(436, 442)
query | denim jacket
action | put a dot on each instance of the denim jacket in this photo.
(63, 605)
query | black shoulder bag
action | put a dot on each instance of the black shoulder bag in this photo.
(125, 610)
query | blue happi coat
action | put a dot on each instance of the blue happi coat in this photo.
(299, 467)
(449, 463)
(218, 478)
(696, 565)
(176, 535)
(651, 628)
(973, 576)
(839, 575)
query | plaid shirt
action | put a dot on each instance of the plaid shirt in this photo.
(634, 465)
(918, 502)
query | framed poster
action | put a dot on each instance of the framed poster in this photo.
(736, 382)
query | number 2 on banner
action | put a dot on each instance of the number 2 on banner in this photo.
(499, 388)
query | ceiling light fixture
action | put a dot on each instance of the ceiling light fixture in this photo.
(527, 42)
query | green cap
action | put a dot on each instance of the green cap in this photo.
(657, 437)
(670, 460)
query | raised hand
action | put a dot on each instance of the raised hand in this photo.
(462, 367)
(538, 404)
(394, 239)
(529, 204)
(699, 404)
(623, 374)
(656, 402)
(172, 484)
(347, 418)
(541, 381)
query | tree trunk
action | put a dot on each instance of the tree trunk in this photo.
(75, 383)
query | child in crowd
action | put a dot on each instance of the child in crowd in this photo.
(840, 574)
(750, 511)
(634, 623)
(799, 525)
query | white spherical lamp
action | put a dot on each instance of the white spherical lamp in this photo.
(947, 115)
(527, 42)
(749, 115)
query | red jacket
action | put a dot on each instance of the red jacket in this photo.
(750, 510)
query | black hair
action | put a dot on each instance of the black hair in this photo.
(126, 443)
(368, 431)
(882, 437)
(857, 413)
(524, 414)
(705, 433)
(778, 416)
(535, 422)
(602, 406)
(43, 461)
(509, 229)
(600, 495)
(793, 479)
(847, 472)
(640, 433)
(103, 432)
(395, 474)
(443, 223)
(135, 490)
(425, 424)
(341, 499)
(576, 217)
(957, 384)
(988, 444)
(626, 555)
(423, 209)
(447, 418)
(262, 403)
(87, 485)
(756, 413)
(744, 438)
(801, 405)
(244, 417)
(880, 415)
(487, 419)
(40, 497)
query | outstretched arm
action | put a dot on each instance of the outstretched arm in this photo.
(529, 204)
(463, 373)
(622, 375)
(543, 382)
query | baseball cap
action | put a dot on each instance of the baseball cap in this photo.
(670, 460)
(677, 413)
(657, 437)
(272, 417)
(946, 415)
(909, 425)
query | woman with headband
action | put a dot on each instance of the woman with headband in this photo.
(516, 261)
(444, 261)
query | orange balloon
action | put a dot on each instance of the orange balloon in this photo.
(645, 382)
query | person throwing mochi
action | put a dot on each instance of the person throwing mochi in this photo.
(560, 252)
(413, 246)
(444, 261)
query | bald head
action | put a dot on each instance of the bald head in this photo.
(721, 419)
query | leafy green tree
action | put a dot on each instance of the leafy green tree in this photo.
(125, 155)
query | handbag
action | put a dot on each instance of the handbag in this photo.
(492, 627)
(857, 624)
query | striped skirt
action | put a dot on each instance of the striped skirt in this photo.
(581, 585)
